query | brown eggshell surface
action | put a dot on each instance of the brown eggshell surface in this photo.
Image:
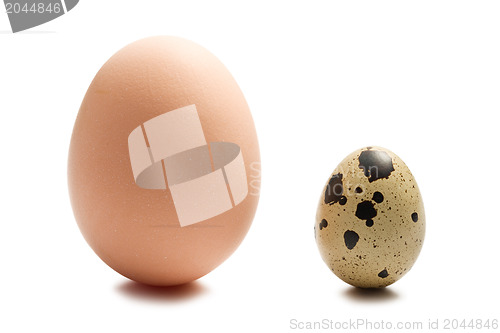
(136, 229)
(370, 222)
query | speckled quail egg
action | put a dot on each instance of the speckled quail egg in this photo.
(370, 222)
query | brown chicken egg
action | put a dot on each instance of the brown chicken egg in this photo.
(164, 166)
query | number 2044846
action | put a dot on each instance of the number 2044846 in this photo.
(34, 8)
(477, 324)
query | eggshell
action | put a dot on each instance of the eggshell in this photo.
(164, 166)
(370, 222)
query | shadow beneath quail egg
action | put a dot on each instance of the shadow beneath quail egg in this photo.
(173, 294)
(373, 295)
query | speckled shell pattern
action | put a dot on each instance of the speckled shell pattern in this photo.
(370, 222)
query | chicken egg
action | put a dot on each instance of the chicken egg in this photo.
(164, 166)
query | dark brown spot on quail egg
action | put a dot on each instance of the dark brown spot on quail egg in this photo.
(383, 274)
(414, 217)
(351, 239)
(378, 197)
(334, 190)
(366, 211)
(376, 164)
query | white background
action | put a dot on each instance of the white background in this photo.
(322, 78)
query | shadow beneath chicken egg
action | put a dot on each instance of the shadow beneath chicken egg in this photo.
(173, 294)
(372, 295)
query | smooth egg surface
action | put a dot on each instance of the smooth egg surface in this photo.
(370, 222)
(164, 166)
